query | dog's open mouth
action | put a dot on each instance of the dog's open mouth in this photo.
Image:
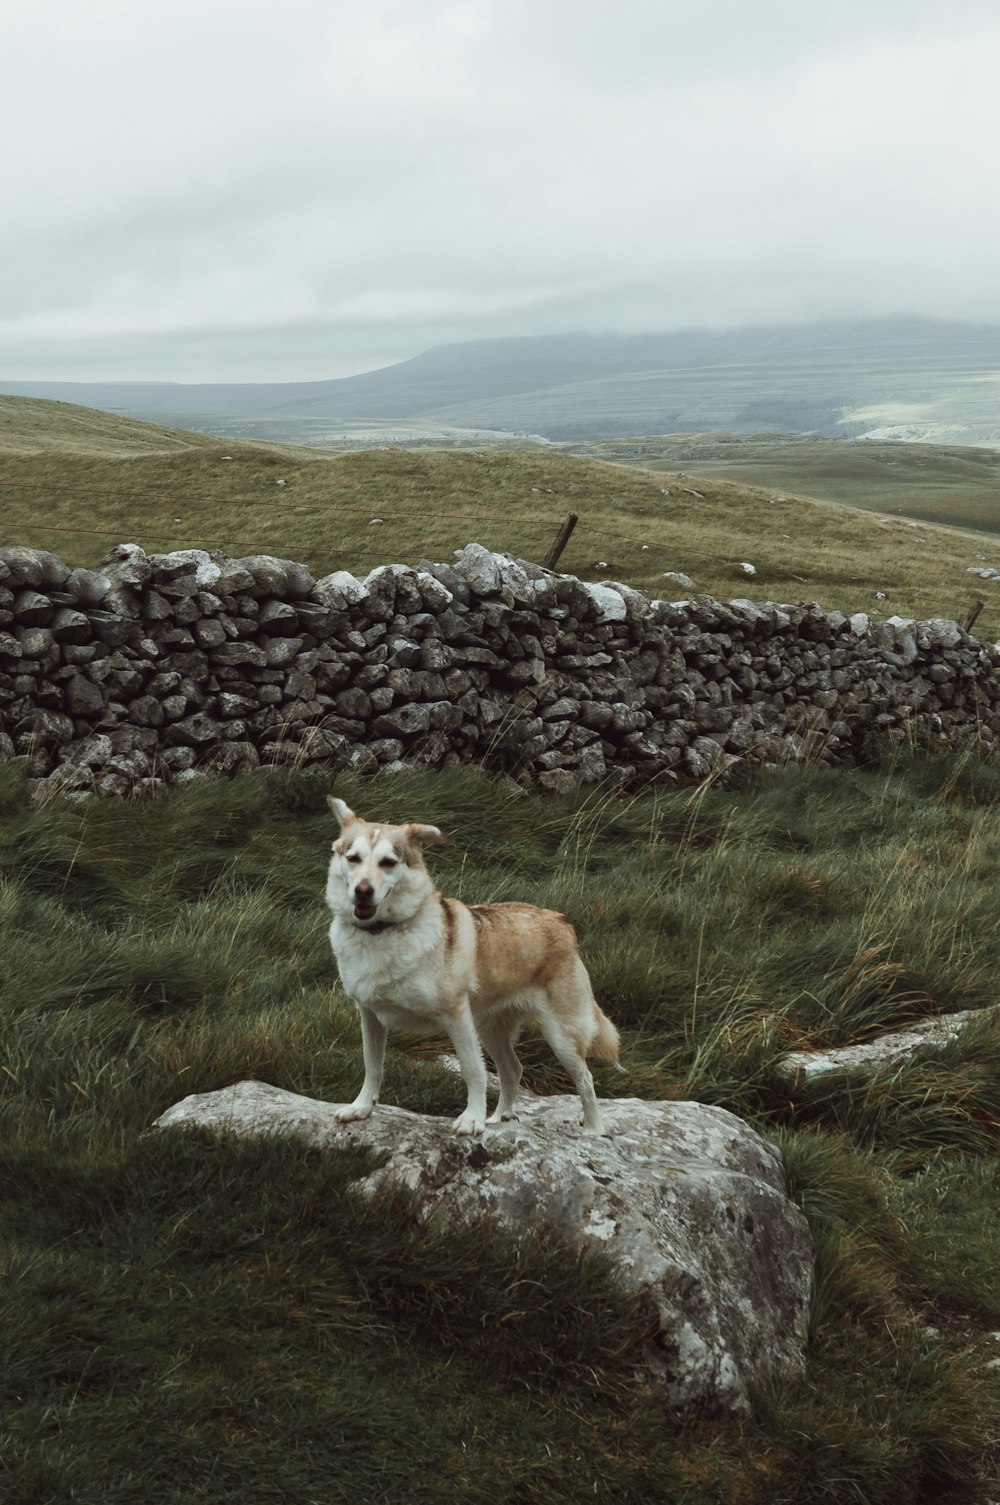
(364, 909)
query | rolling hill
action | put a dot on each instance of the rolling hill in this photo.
(91, 480)
(897, 378)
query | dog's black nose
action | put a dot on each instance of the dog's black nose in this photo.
(363, 891)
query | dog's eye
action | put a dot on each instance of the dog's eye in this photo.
(388, 862)
(353, 857)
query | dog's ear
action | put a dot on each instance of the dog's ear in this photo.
(343, 812)
(424, 836)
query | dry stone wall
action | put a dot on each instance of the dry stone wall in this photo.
(164, 667)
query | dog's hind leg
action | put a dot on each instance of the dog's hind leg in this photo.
(570, 1057)
(497, 1032)
(373, 1033)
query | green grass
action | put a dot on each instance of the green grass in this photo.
(80, 490)
(185, 1318)
(950, 484)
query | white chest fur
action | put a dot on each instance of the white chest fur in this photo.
(390, 972)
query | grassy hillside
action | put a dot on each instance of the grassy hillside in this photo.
(958, 485)
(32, 428)
(186, 1319)
(633, 526)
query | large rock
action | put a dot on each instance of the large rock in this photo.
(480, 568)
(35, 568)
(339, 591)
(186, 570)
(688, 1198)
(127, 564)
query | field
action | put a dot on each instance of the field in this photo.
(188, 1319)
(634, 526)
(185, 1319)
(954, 484)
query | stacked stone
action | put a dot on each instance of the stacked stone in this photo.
(154, 668)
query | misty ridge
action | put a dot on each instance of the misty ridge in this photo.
(902, 379)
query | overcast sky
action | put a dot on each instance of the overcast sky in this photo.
(250, 190)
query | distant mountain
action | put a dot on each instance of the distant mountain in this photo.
(898, 378)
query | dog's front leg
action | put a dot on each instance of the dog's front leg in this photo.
(470, 1058)
(373, 1034)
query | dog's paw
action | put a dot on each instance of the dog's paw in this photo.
(502, 1118)
(468, 1125)
(352, 1112)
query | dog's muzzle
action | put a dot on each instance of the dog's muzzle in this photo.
(364, 902)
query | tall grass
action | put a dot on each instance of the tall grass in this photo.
(186, 1318)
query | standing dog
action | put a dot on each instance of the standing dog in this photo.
(413, 960)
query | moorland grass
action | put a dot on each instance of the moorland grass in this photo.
(938, 483)
(85, 491)
(188, 1318)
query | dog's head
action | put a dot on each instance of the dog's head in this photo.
(377, 873)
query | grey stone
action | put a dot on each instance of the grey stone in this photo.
(887, 1051)
(434, 594)
(278, 617)
(338, 591)
(124, 601)
(402, 721)
(281, 651)
(209, 632)
(437, 655)
(240, 653)
(480, 568)
(608, 602)
(127, 565)
(93, 751)
(269, 575)
(32, 609)
(47, 726)
(36, 642)
(194, 568)
(84, 697)
(146, 710)
(381, 589)
(35, 568)
(69, 626)
(354, 703)
(316, 619)
(196, 730)
(110, 627)
(175, 706)
(687, 1199)
(234, 578)
(557, 780)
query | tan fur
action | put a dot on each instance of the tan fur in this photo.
(411, 959)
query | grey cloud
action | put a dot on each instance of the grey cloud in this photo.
(230, 192)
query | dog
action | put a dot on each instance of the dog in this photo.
(413, 960)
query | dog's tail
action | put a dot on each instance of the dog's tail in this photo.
(604, 1044)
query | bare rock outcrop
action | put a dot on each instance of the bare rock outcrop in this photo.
(887, 1051)
(688, 1199)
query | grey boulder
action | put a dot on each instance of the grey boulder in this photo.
(688, 1199)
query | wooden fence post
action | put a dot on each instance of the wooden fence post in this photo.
(971, 615)
(561, 540)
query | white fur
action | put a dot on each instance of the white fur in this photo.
(411, 960)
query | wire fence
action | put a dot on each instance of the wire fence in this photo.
(351, 511)
(348, 510)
